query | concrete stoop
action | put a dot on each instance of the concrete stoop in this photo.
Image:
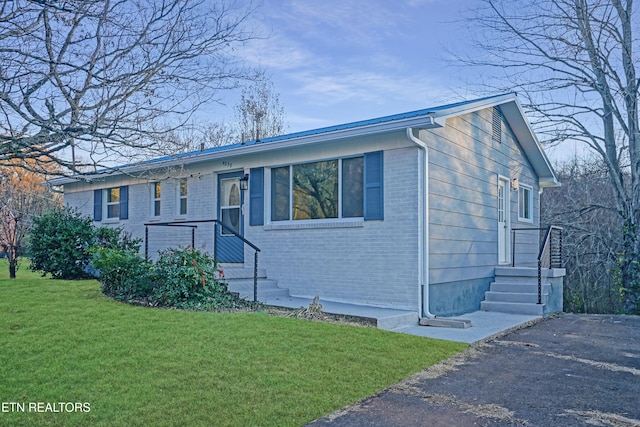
(515, 291)
(240, 280)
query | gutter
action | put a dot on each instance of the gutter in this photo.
(276, 143)
(423, 236)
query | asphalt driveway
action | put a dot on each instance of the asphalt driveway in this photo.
(570, 370)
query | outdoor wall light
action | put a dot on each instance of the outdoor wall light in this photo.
(244, 182)
(514, 184)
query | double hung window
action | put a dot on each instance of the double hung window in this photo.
(113, 203)
(182, 196)
(156, 198)
(525, 203)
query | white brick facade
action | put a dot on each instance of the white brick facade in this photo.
(369, 262)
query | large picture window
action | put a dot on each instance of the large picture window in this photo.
(315, 190)
(312, 190)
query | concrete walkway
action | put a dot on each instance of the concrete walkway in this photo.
(483, 324)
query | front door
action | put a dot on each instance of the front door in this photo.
(504, 237)
(229, 248)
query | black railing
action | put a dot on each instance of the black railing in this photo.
(220, 250)
(549, 255)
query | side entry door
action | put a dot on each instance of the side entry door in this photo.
(504, 235)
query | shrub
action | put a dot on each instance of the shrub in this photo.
(116, 238)
(63, 242)
(186, 279)
(60, 243)
(124, 274)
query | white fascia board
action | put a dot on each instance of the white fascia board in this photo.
(469, 107)
(514, 114)
(417, 122)
(420, 122)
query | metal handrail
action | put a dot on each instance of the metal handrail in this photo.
(545, 249)
(224, 227)
(513, 240)
(190, 224)
(255, 255)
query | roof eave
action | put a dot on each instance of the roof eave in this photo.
(514, 114)
(421, 122)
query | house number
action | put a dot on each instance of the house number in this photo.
(227, 164)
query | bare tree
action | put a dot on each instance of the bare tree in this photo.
(259, 113)
(584, 207)
(197, 136)
(576, 62)
(85, 82)
(22, 197)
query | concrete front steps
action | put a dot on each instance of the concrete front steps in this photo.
(515, 290)
(240, 280)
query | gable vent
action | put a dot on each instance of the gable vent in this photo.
(497, 125)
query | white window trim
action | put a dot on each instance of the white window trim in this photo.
(180, 197)
(155, 199)
(523, 187)
(105, 207)
(291, 223)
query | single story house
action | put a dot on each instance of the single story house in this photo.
(413, 211)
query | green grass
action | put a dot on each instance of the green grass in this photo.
(63, 341)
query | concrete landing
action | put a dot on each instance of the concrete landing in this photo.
(385, 318)
(483, 324)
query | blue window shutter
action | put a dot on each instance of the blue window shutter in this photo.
(256, 196)
(124, 202)
(97, 205)
(373, 186)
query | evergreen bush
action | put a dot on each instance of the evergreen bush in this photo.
(60, 244)
(63, 242)
(124, 274)
(186, 278)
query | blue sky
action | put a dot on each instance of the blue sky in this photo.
(337, 61)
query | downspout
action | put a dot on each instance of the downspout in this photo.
(423, 237)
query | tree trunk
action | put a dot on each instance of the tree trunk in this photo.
(13, 263)
(630, 269)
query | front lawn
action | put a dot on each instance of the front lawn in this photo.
(64, 342)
